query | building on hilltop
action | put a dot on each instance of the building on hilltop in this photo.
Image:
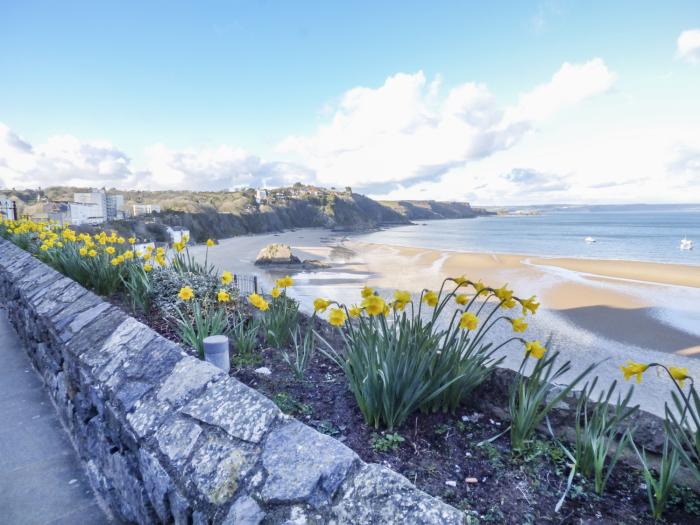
(260, 195)
(110, 207)
(8, 209)
(145, 209)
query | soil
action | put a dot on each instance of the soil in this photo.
(440, 453)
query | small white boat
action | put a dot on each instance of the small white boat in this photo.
(686, 244)
(589, 240)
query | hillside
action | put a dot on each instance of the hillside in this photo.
(230, 213)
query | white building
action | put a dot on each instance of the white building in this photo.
(8, 209)
(109, 207)
(85, 213)
(177, 234)
(260, 195)
(145, 209)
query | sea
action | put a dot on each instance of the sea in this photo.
(625, 232)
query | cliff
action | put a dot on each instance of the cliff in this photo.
(229, 213)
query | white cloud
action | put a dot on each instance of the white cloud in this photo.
(405, 131)
(217, 168)
(571, 84)
(62, 159)
(65, 160)
(688, 46)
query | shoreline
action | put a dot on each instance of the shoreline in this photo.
(601, 315)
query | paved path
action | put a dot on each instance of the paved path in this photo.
(41, 479)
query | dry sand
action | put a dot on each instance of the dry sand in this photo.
(596, 310)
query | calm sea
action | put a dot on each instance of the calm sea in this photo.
(641, 233)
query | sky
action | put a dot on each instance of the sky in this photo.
(489, 102)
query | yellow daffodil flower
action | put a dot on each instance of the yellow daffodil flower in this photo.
(679, 374)
(430, 298)
(535, 349)
(630, 368)
(503, 293)
(366, 292)
(186, 293)
(257, 301)
(110, 250)
(226, 277)
(223, 296)
(355, 311)
(147, 267)
(462, 299)
(519, 325)
(530, 305)
(401, 299)
(275, 293)
(468, 321)
(337, 317)
(374, 305)
(83, 251)
(320, 305)
(92, 253)
(284, 282)
(210, 243)
(132, 240)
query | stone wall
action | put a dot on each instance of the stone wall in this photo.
(171, 439)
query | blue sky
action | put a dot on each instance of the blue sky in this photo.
(222, 94)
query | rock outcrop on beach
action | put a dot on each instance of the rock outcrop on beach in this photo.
(276, 254)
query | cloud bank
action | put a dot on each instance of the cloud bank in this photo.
(408, 131)
(412, 137)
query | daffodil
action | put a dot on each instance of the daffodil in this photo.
(374, 305)
(430, 298)
(468, 321)
(355, 311)
(630, 368)
(460, 280)
(147, 267)
(186, 293)
(110, 250)
(132, 240)
(503, 293)
(275, 293)
(284, 282)
(257, 301)
(337, 317)
(679, 374)
(83, 251)
(223, 296)
(530, 305)
(92, 253)
(320, 304)
(115, 261)
(509, 303)
(401, 299)
(366, 292)
(226, 277)
(535, 349)
(120, 240)
(519, 325)
(462, 299)
(210, 243)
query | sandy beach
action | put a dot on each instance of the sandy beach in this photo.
(596, 310)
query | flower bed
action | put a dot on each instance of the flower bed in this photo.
(402, 381)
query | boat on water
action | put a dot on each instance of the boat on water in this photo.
(686, 244)
(589, 240)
